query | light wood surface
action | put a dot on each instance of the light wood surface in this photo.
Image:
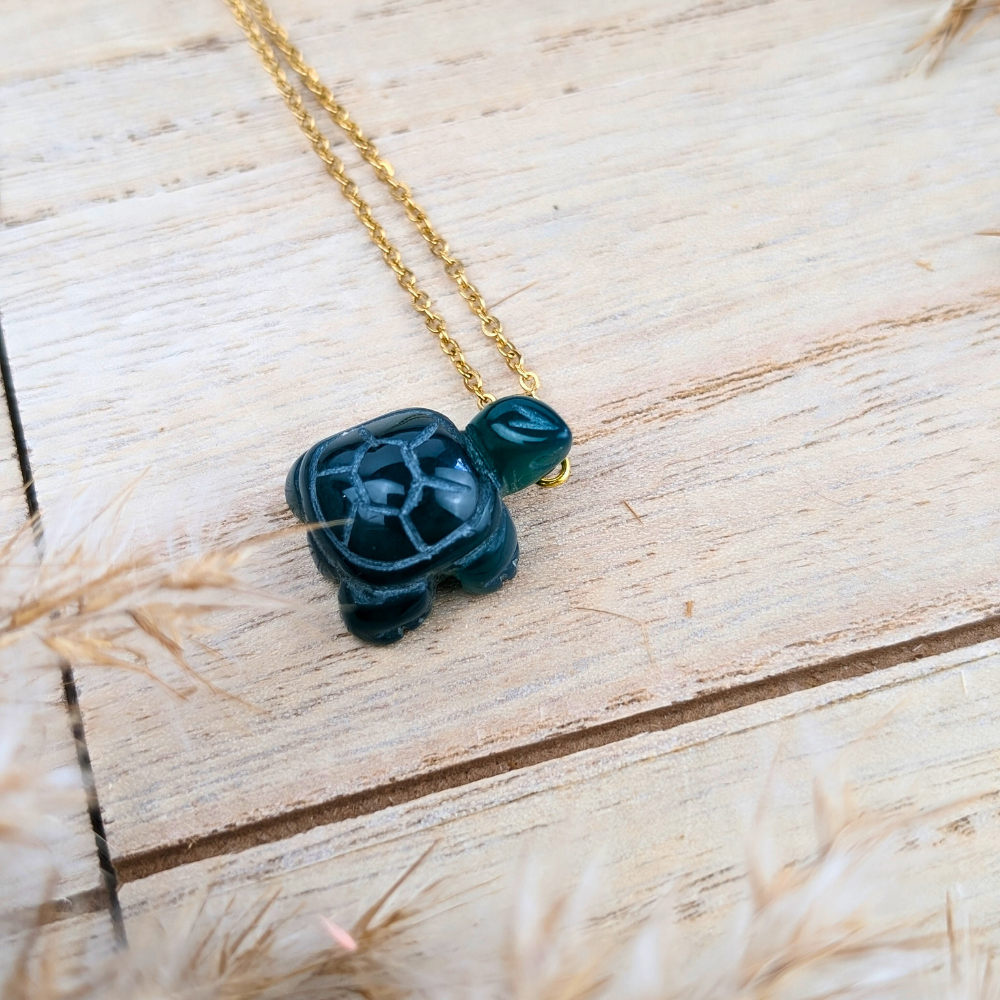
(738, 244)
(668, 818)
(65, 950)
(32, 710)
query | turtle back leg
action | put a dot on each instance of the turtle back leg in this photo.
(382, 614)
(492, 565)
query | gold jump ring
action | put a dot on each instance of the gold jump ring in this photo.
(556, 478)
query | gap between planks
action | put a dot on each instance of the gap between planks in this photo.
(131, 867)
(106, 895)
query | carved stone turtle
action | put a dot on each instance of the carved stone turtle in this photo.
(406, 499)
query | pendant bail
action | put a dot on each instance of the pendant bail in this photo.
(556, 478)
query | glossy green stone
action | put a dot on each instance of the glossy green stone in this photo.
(401, 501)
(522, 439)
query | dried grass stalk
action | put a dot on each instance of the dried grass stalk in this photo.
(94, 599)
(946, 24)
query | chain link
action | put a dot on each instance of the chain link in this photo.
(265, 35)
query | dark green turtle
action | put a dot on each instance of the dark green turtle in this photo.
(406, 499)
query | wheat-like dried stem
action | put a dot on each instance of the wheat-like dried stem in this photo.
(92, 601)
(946, 24)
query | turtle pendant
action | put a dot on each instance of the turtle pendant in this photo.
(406, 499)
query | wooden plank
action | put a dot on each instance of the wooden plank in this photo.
(669, 816)
(33, 716)
(71, 951)
(712, 217)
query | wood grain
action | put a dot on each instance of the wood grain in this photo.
(668, 817)
(33, 712)
(66, 950)
(706, 219)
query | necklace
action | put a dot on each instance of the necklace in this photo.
(401, 501)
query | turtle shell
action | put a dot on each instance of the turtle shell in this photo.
(398, 496)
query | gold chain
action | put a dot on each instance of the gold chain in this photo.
(265, 35)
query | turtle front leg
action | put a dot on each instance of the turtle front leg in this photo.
(382, 614)
(495, 563)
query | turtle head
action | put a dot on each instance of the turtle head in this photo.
(522, 438)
